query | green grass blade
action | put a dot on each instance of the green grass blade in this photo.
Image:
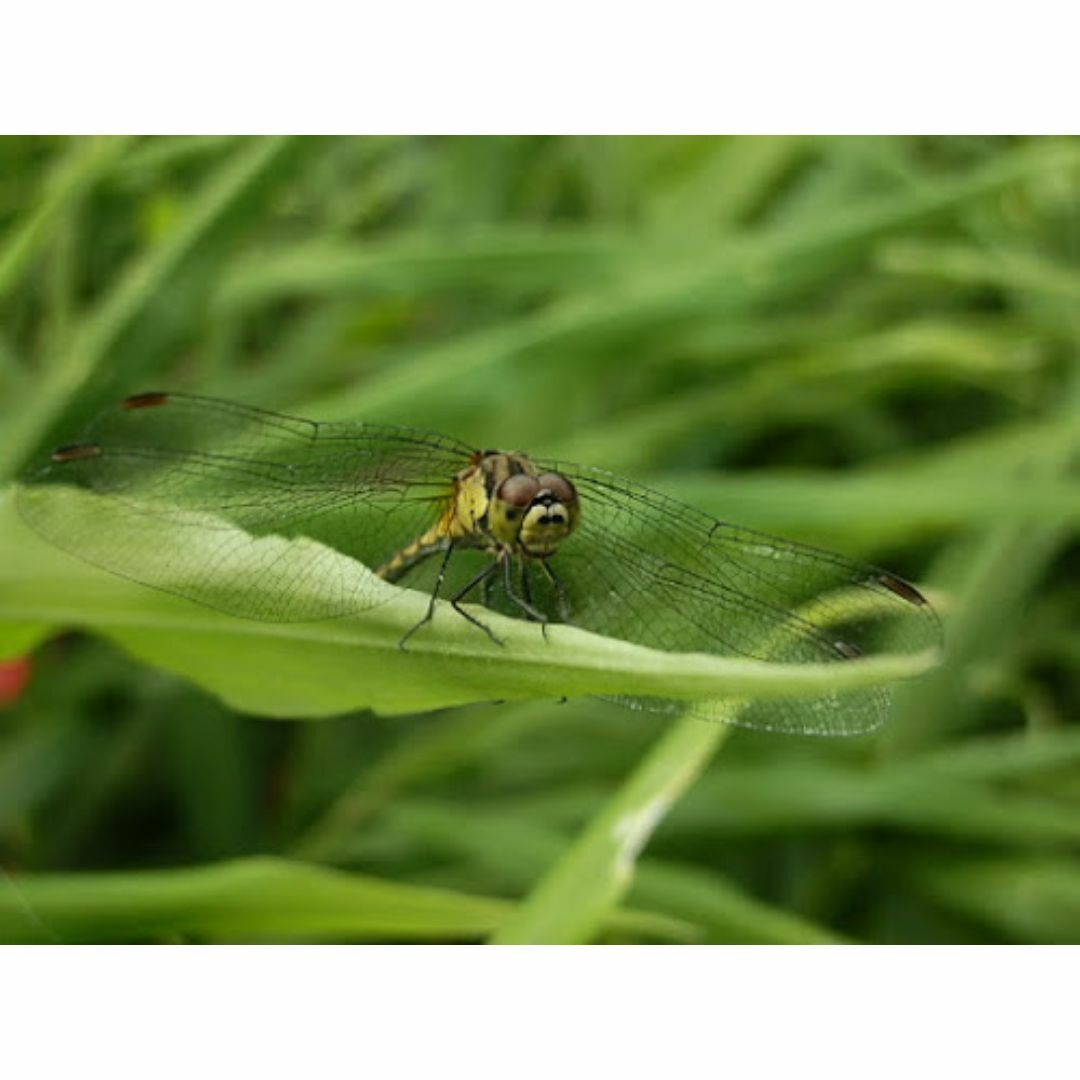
(85, 163)
(794, 797)
(745, 273)
(429, 754)
(571, 901)
(1026, 898)
(145, 279)
(974, 266)
(514, 851)
(500, 260)
(256, 899)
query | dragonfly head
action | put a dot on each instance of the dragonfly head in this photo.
(534, 513)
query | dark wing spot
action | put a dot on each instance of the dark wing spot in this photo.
(904, 589)
(150, 400)
(76, 452)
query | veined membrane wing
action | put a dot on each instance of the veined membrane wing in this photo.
(162, 470)
(654, 571)
(163, 467)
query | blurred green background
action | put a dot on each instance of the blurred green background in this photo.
(866, 343)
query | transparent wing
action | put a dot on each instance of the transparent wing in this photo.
(648, 569)
(164, 471)
(162, 477)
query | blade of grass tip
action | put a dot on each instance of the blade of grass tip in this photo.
(572, 900)
(78, 170)
(97, 334)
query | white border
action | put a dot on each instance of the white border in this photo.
(477, 66)
(537, 1012)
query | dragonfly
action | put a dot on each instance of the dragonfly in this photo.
(485, 530)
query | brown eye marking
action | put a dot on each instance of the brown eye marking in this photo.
(518, 490)
(558, 485)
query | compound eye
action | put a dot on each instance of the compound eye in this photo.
(519, 490)
(558, 485)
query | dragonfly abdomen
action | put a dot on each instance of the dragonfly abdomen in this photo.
(432, 542)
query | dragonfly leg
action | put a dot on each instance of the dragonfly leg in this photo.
(525, 603)
(429, 614)
(560, 590)
(455, 600)
(526, 589)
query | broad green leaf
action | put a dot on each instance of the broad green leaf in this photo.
(17, 638)
(339, 665)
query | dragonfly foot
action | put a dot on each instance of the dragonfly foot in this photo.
(476, 622)
(412, 630)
